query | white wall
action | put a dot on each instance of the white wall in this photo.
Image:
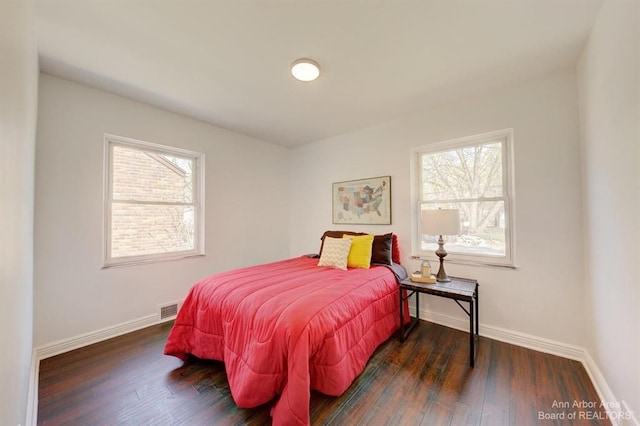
(18, 97)
(247, 184)
(543, 296)
(610, 131)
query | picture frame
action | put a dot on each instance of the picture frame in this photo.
(362, 201)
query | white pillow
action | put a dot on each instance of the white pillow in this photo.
(335, 252)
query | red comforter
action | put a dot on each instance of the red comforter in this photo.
(285, 327)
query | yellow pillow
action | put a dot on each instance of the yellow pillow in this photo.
(360, 251)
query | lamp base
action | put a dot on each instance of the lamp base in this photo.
(443, 280)
(441, 277)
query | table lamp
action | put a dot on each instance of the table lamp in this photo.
(441, 222)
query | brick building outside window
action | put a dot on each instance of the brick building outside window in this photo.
(153, 202)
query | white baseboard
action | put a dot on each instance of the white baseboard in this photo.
(619, 416)
(508, 336)
(90, 338)
(618, 411)
(32, 395)
(66, 345)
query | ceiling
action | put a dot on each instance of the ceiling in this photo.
(227, 62)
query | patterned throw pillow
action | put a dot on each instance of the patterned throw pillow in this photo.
(360, 252)
(335, 253)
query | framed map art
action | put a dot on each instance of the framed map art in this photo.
(363, 201)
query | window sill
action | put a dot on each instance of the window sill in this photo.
(466, 262)
(148, 261)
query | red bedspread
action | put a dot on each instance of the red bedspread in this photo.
(285, 327)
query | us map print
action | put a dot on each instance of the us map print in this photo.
(364, 201)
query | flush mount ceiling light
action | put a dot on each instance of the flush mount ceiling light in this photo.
(305, 69)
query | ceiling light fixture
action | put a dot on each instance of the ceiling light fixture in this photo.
(305, 69)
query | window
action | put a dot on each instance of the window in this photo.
(473, 175)
(153, 202)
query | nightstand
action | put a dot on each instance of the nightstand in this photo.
(458, 289)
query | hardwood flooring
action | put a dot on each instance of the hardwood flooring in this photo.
(424, 381)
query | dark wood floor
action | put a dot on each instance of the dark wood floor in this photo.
(423, 381)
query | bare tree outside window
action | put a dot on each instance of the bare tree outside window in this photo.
(469, 177)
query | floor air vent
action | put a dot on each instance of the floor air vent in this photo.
(169, 311)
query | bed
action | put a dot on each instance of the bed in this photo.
(286, 327)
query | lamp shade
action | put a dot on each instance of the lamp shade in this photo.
(441, 222)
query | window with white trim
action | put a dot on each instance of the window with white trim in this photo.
(153, 202)
(472, 174)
